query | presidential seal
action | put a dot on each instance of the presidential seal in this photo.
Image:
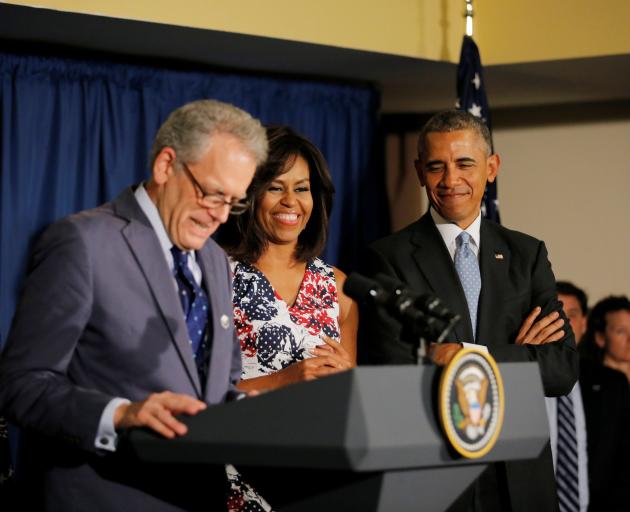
(471, 403)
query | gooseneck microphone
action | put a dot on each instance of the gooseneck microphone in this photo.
(425, 315)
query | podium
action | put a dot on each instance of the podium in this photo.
(367, 439)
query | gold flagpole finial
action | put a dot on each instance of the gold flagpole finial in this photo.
(469, 14)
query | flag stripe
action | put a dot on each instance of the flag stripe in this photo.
(471, 97)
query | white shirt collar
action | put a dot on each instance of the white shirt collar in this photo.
(449, 231)
(151, 211)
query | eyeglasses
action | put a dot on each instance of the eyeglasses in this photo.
(216, 199)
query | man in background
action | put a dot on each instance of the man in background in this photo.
(599, 407)
(126, 321)
(499, 281)
(607, 339)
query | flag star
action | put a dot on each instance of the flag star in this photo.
(475, 110)
(458, 104)
(476, 81)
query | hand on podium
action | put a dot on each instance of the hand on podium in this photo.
(158, 412)
(442, 353)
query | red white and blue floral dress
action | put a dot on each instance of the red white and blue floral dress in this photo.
(272, 333)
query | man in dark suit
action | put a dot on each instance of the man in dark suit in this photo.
(499, 281)
(601, 406)
(126, 321)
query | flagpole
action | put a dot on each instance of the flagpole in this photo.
(469, 14)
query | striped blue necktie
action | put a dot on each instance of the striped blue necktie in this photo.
(567, 457)
(467, 267)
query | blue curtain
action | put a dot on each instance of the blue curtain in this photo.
(75, 132)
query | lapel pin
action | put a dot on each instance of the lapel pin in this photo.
(225, 321)
(498, 256)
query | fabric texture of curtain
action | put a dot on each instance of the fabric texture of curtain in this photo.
(75, 132)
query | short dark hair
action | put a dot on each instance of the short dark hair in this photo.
(597, 323)
(611, 304)
(244, 238)
(454, 120)
(568, 288)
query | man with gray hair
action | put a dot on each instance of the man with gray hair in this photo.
(499, 281)
(126, 321)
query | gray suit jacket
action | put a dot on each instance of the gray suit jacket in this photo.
(516, 276)
(99, 317)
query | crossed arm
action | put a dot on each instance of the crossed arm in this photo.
(533, 331)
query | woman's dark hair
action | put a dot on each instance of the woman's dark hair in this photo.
(244, 238)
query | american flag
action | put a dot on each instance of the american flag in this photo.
(471, 96)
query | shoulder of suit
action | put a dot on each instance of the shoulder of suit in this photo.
(511, 236)
(86, 221)
(391, 242)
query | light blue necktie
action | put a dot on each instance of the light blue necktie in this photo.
(467, 267)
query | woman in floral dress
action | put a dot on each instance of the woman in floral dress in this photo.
(292, 318)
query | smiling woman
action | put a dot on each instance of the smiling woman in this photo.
(293, 321)
(292, 318)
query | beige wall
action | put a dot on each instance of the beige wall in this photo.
(430, 29)
(568, 183)
(507, 31)
(510, 31)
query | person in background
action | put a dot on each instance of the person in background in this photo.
(291, 316)
(599, 408)
(607, 338)
(126, 321)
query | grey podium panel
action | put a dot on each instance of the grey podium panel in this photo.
(410, 490)
(368, 419)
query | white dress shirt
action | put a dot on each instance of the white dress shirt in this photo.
(450, 231)
(580, 432)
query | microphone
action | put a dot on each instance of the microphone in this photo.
(424, 314)
(364, 289)
(427, 303)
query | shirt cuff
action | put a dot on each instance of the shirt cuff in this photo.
(474, 346)
(106, 436)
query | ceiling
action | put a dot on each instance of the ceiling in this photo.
(407, 84)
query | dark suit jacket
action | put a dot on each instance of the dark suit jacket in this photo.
(606, 402)
(99, 318)
(516, 276)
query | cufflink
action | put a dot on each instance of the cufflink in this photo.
(224, 321)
